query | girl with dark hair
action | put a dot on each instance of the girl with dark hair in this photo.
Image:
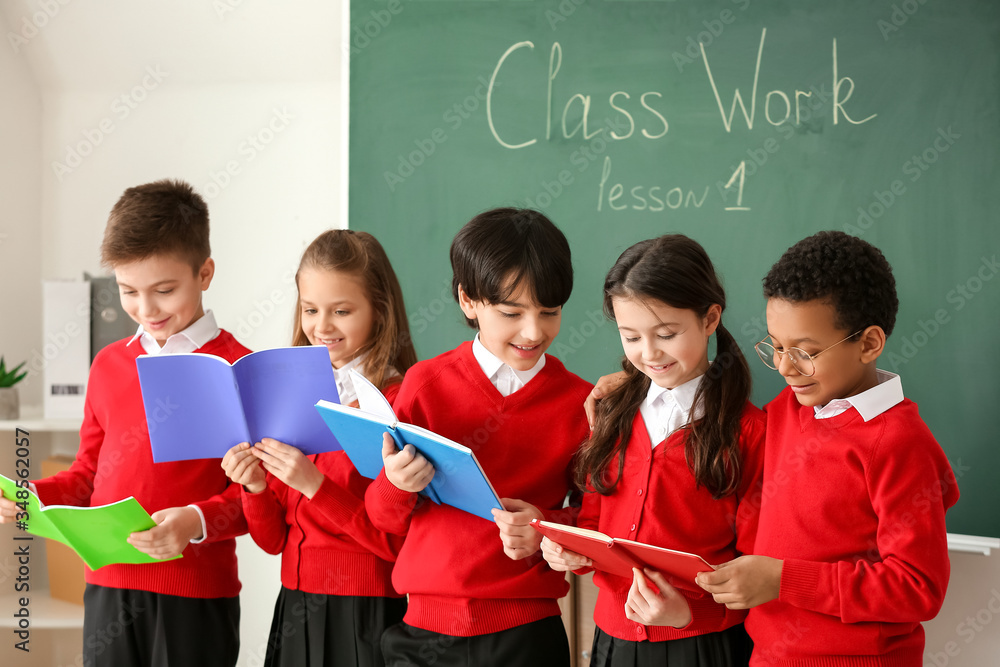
(675, 460)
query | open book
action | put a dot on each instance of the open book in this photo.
(97, 534)
(458, 480)
(618, 556)
(198, 406)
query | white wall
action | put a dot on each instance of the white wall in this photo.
(245, 104)
(264, 209)
(20, 213)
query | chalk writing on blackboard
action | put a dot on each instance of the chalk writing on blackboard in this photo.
(644, 118)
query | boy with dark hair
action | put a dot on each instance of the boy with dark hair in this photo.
(851, 551)
(184, 611)
(521, 412)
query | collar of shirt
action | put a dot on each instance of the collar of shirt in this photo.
(506, 379)
(869, 404)
(345, 385)
(195, 336)
(666, 410)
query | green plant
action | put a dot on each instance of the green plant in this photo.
(10, 378)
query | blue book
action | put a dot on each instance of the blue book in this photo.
(458, 480)
(198, 406)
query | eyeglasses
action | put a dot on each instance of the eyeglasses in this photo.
(803, 362)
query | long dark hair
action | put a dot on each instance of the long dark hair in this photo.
(677, 271)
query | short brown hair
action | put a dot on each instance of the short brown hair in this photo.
(166, 217)
(362, 256)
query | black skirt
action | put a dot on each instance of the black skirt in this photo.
(316, 630)
(730, 648)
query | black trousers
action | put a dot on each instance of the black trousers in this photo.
(542, 643)
(127, 628)
(728, 648)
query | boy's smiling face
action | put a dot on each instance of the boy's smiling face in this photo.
(163, 293)
(518, 330)
(841, 371)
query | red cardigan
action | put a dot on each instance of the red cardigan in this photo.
(452, 563)
(327, 544)
(856, 511)
(657, 501)
(115, 461)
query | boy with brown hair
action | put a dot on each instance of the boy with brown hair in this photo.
(184, 611)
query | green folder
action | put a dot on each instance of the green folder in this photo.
(97, 534)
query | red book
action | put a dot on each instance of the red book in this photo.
(618, 556)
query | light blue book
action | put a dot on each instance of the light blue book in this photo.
(458, 480)
(198, 406)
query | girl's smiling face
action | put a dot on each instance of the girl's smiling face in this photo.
(335, 313)
(667, 344)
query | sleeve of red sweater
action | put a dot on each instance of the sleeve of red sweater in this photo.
(224, 514)
(905, 575)
(76, 485)
(389, 508)
(751, 489)
(265, 515)
(344, 512)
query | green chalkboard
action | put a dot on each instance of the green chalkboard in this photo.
(878, 118)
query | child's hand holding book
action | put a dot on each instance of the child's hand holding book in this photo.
(519, 538)
(406, 468)
(563, 560)
(8, 509)
(744, 583)
(242, 467)
(653, 601)
(175, 528)
(289, 465)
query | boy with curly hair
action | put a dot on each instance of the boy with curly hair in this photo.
(851, 552)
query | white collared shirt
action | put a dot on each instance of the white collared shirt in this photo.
(869, 404)
(196, 335)
(666, 410)
(345, 385)
(506, 379)
(190, 339)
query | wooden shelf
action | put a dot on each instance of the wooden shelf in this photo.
(46, 613)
